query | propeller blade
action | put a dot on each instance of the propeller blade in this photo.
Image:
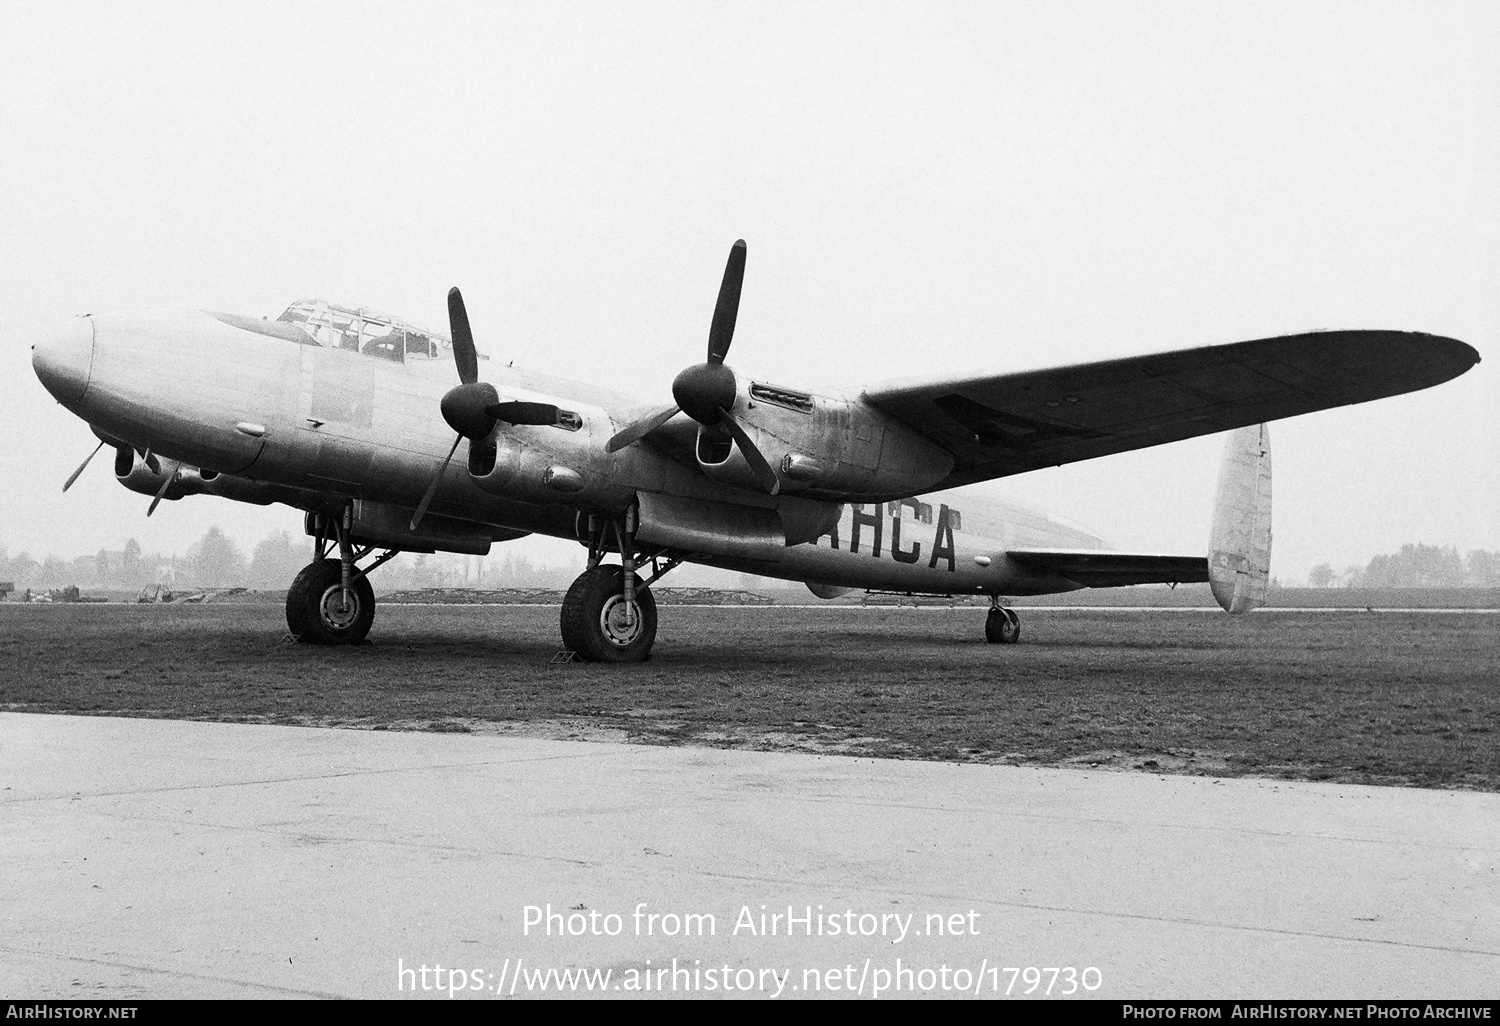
(74, 477)
(534, 414)
(763, 472)
(161, 492)
(641, 428)
(728, 307)
(151, 461)
(432, 488)
(463, 339)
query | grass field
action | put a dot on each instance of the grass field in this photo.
(1384, 698)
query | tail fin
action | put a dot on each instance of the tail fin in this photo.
(1239, 545)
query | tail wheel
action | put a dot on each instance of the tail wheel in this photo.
(316, 609)
(599, 626)
(1002, 627)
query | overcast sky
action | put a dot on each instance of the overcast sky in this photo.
(923, 187)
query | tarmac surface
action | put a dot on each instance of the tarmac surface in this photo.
(158, 858)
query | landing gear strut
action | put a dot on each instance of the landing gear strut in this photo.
(609, 614)
(331, 602)
(1002, 626)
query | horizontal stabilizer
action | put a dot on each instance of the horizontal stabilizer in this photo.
(1092, 568)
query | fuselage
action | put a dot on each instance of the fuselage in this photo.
(319, 424)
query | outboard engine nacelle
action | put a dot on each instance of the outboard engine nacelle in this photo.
(227, 486)
(145, 472)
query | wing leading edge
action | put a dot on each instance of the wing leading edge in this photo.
(1011, 423)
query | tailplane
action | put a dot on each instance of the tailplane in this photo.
(1239, 545)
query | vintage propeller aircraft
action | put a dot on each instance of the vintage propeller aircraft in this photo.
(333, 410)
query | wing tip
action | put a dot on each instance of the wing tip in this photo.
(1408, 360)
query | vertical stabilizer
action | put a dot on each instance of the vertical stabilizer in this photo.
(1239, 546)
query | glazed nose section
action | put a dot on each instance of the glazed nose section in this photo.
(63, 358)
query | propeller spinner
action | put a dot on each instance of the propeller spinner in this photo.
(706, 391)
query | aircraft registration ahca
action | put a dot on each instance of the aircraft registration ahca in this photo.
(347, 415)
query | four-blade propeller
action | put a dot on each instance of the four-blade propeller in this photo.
(473, 407)
(706, 391)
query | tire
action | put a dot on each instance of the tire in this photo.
(312, 606)
(593, 624)
(1002, 627)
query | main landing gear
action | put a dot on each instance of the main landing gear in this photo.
(1002, 626)
(331, 602)
(609, 614)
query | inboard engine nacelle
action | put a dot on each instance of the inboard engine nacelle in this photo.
(514, 470)
(825, 445)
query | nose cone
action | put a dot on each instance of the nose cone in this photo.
(63, 358)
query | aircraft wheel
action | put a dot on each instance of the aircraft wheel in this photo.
(1002, 627)
(594, 620)
(315, 609)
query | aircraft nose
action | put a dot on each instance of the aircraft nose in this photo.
(63, 358)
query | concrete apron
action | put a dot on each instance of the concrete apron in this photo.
(160, 858)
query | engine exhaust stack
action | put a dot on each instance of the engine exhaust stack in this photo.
(1239, 544)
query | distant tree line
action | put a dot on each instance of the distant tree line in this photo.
(1415, 566)
(216, 561)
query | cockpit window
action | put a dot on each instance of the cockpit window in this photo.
(385, 347)
(362, 330)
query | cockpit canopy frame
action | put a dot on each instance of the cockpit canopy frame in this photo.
(366, 331)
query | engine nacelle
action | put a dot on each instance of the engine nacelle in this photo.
(146, 472)
(817, 444)
(387, 526)
(726, 529)
(227, 486)
(514, 470)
